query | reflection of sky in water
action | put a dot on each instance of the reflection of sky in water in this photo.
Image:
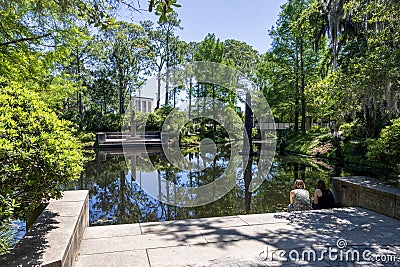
(124, 201)
(115, 198)
(18, 229)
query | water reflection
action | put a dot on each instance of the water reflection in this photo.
(117, 197)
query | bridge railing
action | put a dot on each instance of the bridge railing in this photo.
(102, 137)
(277, 126)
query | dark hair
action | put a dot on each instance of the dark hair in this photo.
(321, 184)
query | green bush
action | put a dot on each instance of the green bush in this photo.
(150, 121)
(95, 121)
(154, 122)
(353, 130)
(319, 130)
(164, 111)
(38, 153)
(386, 149)
(357, 147)
(325, 137)
(87, 137)
(141, 119)
(111, 122)
(7, 240)
(92, 120)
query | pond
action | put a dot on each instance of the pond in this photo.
(116, 196)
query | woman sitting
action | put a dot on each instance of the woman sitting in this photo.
(323, 197)
(299, 197)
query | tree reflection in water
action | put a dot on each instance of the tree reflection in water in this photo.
(117, 198)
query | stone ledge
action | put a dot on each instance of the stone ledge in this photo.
(369, 193)
(54, 238)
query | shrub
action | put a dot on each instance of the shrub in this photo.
(386, 149)
(92, 120)
(319, 130)
(164, 111)
(7, 240)
(87, 137)
(111, 122)
(354, 129)
(150, 121)
(141, 119)
(153, 122)
(325, 137)
(38, 152)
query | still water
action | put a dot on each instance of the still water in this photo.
(116, 195)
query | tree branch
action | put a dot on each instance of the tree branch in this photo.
(24, 40)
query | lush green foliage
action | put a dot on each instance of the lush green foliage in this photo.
(337, 61)
(51, 67)
(386, 149)
(292, 65)
(38, 152)
(353, 130)
(363, 83)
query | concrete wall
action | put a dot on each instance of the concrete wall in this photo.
(368, 193)
(55, 237)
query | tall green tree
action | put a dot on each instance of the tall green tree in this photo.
(127, 55)
(243, 56)
(163, 44)
(362, 81)
(293, 61)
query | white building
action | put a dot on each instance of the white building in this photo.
(143, 104)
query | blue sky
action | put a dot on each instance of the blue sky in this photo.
(243, 20)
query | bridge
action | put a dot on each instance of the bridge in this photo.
(117, 139)
(271, 126)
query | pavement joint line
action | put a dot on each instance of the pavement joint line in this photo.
(223, 241)
(243, 220)
(110, 252)
(204, 236)
(129, 250)
(148, 257)
(91, 238)
(258, 224)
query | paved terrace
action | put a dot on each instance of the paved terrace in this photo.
(247, 240)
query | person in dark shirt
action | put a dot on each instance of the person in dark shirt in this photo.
(323, 197)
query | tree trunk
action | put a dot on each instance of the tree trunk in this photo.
(80, 110)
(302, 94)
(296, 171)
(213, 106)
(296, 114)
(247, 182)
(121, 88)
(168, 65)
(158, 89)
(248, 126)
(296, 101)
(79, 95)
(121, 100)
(190, 97)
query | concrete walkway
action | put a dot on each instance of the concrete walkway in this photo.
(339, 237)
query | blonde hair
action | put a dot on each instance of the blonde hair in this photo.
(299, 184)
